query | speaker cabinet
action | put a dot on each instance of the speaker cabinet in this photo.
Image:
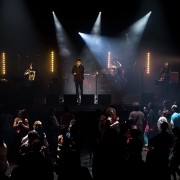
(87, 99)
(104, 99)
(148, 97)
(52, 99)
(70, 99)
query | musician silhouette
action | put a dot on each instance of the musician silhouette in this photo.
(165, 74)
(31, 73)
(32, 87)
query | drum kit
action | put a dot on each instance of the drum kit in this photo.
(112, 71)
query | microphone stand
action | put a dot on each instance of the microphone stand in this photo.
(96, 93)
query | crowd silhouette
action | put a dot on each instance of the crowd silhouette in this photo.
(43, 150)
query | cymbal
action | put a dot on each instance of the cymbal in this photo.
(112, 67)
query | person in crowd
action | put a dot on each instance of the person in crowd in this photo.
(165, 117)
(136, 119)
(175, 117)
(151, 124)
(4, 163)
(21, 127)
(34, 164)
(27, 144)
(112, 116)
(21, 122)
(38, 128)
(53, 130)
(6, 128)
(66, 117)
(174, 156)
(157, 158)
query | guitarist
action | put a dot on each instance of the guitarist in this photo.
(165, 72)
(30, 72)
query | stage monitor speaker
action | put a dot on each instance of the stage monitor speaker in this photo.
(87, 99)
(70, 99)
(148, 97)
(52, 99)
(104, 99)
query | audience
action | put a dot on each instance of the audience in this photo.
(118, 146)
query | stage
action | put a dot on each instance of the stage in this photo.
(16, 93)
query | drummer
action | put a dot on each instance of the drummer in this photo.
(113, 70)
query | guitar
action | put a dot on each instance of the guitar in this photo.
(164, 76)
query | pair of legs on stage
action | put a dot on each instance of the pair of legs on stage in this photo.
(79, 90)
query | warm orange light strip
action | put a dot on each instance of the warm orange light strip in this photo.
(52, 61)
(148, 63)
(3, 63)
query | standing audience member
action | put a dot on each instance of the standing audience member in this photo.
(151, 123)
(165, 117)
(4, 164)
(38, 128)
(27, 145)
(65, 118)
(174, 156)
(53, 131)
(147, 128)
(175, 117)
(136, 119)
(166, 105)
(157, 160)
(21, 122)
(113, 118)
(34, 164)
(21, 127)
(134, 152)
(7, 130)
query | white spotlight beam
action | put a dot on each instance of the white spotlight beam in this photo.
(65, 46)
(97, 26)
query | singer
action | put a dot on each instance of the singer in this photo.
(78, 73)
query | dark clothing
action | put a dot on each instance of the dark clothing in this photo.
(136, 118)
(165, 73)
(78, 78)
(152, 118)
(162, 141)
